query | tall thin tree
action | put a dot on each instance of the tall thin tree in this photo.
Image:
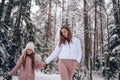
(86, 35)
(94, 56)
(2, 8)
(63, 22)
(8, 13)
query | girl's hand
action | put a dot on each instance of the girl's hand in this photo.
(8, 74)
(43, 64)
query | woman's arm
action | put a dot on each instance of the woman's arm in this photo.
(16, 68)
(54, 54)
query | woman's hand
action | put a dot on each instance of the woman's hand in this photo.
(43, 64)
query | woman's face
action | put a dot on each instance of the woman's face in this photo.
(64, 32)
(29, 51)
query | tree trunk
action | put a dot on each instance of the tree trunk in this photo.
(68, 8)
(94, 57)
(63, 22)
(101, 44)
(50, 36)
(119, 11)
(67, 19)
(119, 76)
(73, 24)
(86, 36)
(115, 13)
(97, 36)
(55, 22)
(2, 8)
(106, 65)
(8, 13)
(16, 38)
(49, 20)
(16, 33)
(29, 26)
(90, 47)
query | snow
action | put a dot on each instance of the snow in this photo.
(112, 58)
(34, 8)
(98, 78)
(42, 76)
(116, 48)
(107, 1)
(113, 37)
(1, 50)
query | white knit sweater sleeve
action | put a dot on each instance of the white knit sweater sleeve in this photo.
(79, 50)
(53, 55)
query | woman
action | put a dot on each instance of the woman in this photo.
(69, 52)
(27, 63)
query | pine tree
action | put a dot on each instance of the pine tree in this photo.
(114, 61)
(1, 8)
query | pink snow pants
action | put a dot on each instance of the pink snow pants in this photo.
(66, 68)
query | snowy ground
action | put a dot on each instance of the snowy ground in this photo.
(42, 76)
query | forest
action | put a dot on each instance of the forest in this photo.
(95, 22)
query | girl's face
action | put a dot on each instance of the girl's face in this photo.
(29, 51)
(64, 32)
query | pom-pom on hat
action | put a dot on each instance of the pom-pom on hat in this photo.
(30, 45)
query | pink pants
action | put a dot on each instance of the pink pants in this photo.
(66, 68)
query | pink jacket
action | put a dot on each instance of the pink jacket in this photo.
(26, 73)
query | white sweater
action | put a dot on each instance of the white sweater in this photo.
(67, 51)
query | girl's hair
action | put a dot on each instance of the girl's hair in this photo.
(62, 38)
(24, 59)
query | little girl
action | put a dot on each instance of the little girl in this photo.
(27, 63)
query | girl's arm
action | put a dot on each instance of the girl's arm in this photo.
(37, 61)
(16, 68)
